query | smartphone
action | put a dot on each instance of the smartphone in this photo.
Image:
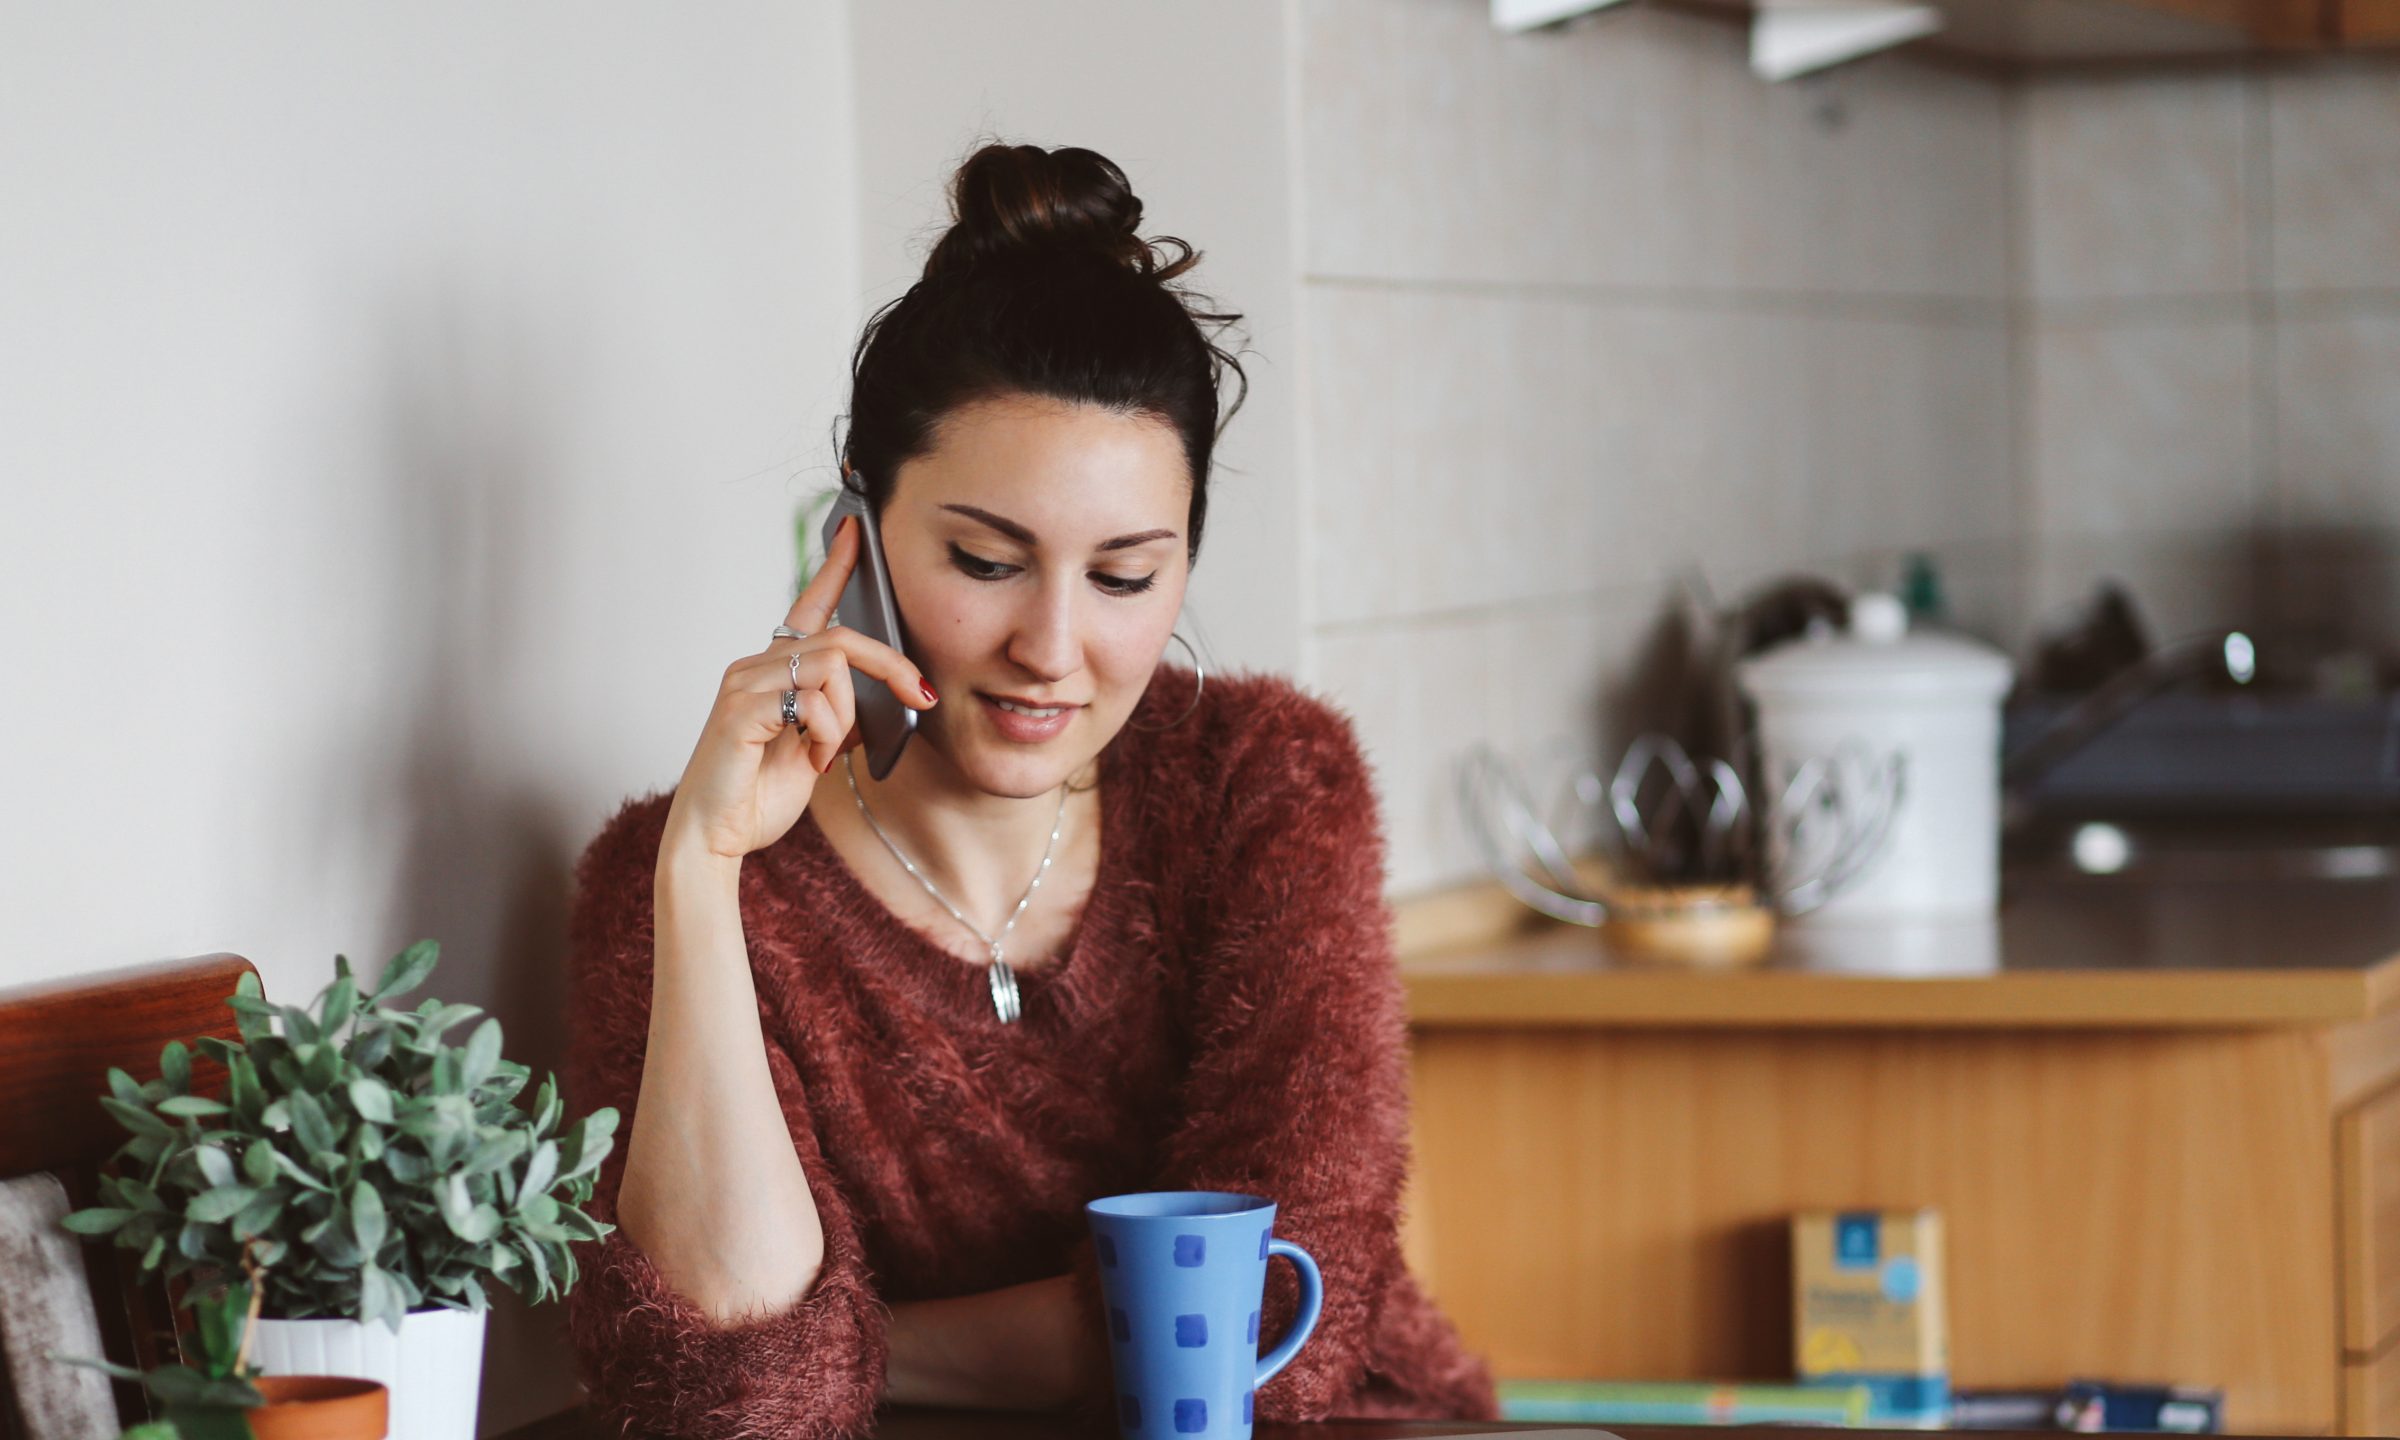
(884, 724)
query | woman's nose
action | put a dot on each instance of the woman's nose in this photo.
(1045, 641)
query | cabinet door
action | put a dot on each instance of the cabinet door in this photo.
(2367, 1161)
(2370, 22)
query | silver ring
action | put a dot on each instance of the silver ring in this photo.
(795, 670)
(791, 708)
(786, 632)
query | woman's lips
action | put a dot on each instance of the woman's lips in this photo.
(1026, 729)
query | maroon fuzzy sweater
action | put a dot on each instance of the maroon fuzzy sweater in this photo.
(1227, 1016)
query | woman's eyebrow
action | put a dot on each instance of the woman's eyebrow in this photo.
(1023, 536)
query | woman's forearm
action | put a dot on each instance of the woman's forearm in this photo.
(1022, 1348)
(713, 1191)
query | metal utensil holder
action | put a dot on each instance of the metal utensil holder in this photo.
(1670, 819)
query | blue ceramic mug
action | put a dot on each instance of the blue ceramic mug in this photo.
(1185, 1273)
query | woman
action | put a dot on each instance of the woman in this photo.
(857, 1149)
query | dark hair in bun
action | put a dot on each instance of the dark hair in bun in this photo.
(1041, 286)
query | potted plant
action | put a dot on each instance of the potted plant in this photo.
(377, 1175)
(226, 1397)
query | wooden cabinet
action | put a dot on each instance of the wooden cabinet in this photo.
(2149, 1171)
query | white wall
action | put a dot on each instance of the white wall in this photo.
(401, 409)
(2210, 276)
(1192, 102)
(1590, 304)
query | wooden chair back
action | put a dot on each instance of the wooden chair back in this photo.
(57, 1042)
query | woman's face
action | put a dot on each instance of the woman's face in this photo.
(1037, 555)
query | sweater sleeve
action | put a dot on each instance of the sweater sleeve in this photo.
(1297, 1085)
(653, 1362)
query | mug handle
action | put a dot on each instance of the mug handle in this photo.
(1312, 1301)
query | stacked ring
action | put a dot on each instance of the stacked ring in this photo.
(791, 697)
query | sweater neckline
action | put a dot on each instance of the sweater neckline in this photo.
(965, 985)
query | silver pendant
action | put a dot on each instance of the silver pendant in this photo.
(1005, 1001)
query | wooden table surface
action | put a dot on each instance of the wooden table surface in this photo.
(985, 1425)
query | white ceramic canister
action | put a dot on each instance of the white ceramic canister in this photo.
(433, 1366)
(1931, 697)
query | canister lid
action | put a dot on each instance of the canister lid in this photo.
(1878, 656)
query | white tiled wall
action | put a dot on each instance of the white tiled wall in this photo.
(1587, 306)
(2210, 318)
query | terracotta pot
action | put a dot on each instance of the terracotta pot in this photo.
(320, 1407)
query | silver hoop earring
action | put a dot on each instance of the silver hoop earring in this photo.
(1197, 689)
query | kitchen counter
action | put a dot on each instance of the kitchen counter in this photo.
(2062, 952)
(2162, 1122)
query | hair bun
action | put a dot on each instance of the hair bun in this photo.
(1024, 202)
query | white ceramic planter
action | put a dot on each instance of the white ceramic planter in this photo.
(433, 1367)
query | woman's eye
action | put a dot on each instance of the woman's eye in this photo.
(977, 566)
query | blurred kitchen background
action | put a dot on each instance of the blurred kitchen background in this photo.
(403, 409)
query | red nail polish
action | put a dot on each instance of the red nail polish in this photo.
(927, 687)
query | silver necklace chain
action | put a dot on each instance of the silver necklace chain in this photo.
(1005, 1000)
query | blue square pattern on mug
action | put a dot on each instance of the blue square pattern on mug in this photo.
(1191, 1416)
(1191, 1252)
(1191, 1331)
(1108, 1251)
(1118, 1325)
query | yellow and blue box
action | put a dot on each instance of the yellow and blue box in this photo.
(1868, 1309)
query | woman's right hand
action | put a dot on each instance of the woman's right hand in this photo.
(751, 775)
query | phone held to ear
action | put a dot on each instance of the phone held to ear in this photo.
(884, 724)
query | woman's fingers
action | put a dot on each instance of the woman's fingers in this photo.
(813, 610)
(825, 729)
(826, 649)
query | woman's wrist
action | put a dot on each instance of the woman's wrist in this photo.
(689, 866)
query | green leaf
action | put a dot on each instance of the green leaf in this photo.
(379, 1298)
(366, 1142)
(242, 1088)
(299, 1026)
(300, 1172)
(469, 1221)
(258, 1162)
(123, 1086)
(135, 1118)
(215, 1165)
(181, 1385)
(340, 1003)
(99, 1220)
(539, 1171)
(175, 1066)
(214, 1207)
(91, 1362)
(370, 1050)
(495, 1150)
(406, 1166)
(192, 1106)
(259, 1216)
(483, 1052)
(366, 1217)
(154, 1252)
(310, 1124)
(407, 970)
(546, 1106)
(321, 1067)
(372, 1099)
(206, 1422)
(435, 1019)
